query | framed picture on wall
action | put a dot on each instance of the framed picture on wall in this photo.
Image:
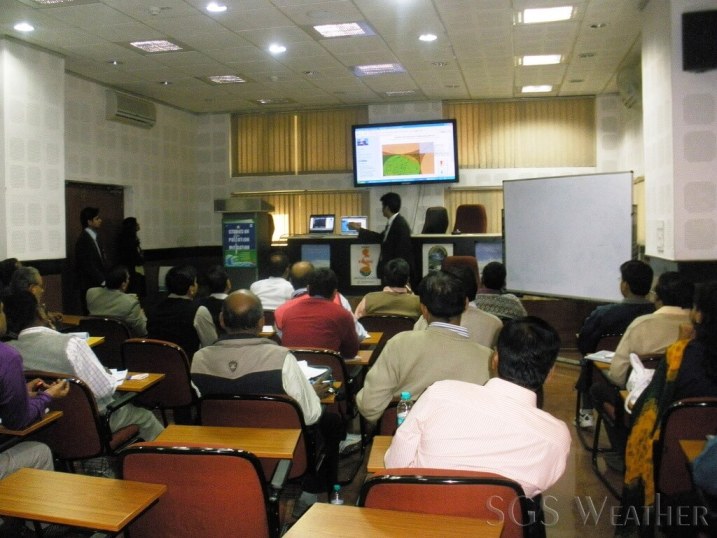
(433, 254)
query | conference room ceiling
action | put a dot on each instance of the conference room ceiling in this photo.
(474, 56)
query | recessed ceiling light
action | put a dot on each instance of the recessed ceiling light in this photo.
(226, 79)
(55, 2)
(548, 14)
(114, 62)
(216, 7)
(346, 29)
(428, 37)
(399, 93)
(165, 82)
(537, 89)
(274, 101)
(275, 48)
(377, 69)
(598, 25)
(24, 27)
(541, 59)
(157, 45)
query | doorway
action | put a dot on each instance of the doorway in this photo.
(110, 200)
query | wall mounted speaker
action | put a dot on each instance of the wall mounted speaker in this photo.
(699, 41)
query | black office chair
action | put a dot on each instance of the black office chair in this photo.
(436, 221)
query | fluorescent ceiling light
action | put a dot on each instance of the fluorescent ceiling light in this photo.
(216, 7)
(276, 49)
(428, 37)
(399, 93)
(541, 59)
(547, 14)
(157, 45)
(537, 89)
(226, 79)
(274, 101)
(345, 29)
(377, 69)
(24, 27)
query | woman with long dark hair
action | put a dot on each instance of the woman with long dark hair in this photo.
(129, 253)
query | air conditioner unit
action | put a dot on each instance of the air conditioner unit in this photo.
(129, 109)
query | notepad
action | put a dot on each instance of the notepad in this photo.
(118, 375)
(601, 356)
(314, 373)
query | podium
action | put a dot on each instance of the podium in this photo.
(247, 227)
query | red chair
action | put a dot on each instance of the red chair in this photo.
(469, 261)
(470, 219)
(389, 325)
(114, 331)
(455, 493)
(436, 221)
(210, 492)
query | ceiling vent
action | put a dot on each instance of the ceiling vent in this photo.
(132, 110)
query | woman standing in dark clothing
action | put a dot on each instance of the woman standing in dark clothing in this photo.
(129, 254)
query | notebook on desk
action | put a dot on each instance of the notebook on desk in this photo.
(601, 356)
(321, 224)
(361, 220)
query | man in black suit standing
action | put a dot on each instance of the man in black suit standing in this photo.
(396, 237)
(89, 257)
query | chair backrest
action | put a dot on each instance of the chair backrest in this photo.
(469, 261)
(387, 424)
(470, 219)
(162, 357)
(449, 492)
(389, 325)
(436, 221)
(690, 418)
(262, 411)
(331, 359)
(114, 331)
(210, 492)
(81, 432)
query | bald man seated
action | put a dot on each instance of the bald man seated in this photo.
(241, 362)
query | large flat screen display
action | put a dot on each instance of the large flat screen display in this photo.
(405, 153)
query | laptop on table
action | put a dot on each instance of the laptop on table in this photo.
(362, 220)
(321, 224)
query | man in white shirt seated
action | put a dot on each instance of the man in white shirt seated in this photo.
(114, 301)
(45, 349)
(275, 289)
(496, 427)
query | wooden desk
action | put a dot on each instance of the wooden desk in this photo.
(362, 358)
(262, 442)
(76, 500)
(94, 341)
(331, 398)
(372, 339)
(378, 451)
(139, 385)
(50, 417)
(327, 520)
(71, 319)
(692, 448)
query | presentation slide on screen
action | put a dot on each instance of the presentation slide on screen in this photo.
(408, 150)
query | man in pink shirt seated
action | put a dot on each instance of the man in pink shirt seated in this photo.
(495, 427)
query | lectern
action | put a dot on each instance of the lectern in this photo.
(247, 227)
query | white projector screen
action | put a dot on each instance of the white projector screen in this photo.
(567, 236)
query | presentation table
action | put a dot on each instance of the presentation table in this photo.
(89, 502)
(277, 443)
(328, 520)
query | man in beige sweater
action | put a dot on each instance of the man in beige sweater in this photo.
(413, 360)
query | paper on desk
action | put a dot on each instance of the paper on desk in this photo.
(118, 375)
(601, 356)
(310, 371)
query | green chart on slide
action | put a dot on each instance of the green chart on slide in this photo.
(407, 159)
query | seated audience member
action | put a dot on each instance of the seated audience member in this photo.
(176, 318)
(482, 326)
(27, 278)
(7, 268)
(495, 428)
(396, 298)
(688, 371)
(114, 301)
(45, 349)
(317, 321)
(299, 278)
(219, 287)
(646, 335)
(413, 360)
(275, 289)
(241, 362)
(21, 404)
(635, 284)
(704, 468)
(492, 298)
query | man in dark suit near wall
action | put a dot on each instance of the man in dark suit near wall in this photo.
(396, 237)
(89, 257)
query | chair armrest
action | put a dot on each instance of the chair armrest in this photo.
(119, 400)
(279, 478)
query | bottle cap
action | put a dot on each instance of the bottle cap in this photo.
(337, 487)
(405, 395)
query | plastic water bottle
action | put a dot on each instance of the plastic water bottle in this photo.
(336, 497)
(403, 407)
